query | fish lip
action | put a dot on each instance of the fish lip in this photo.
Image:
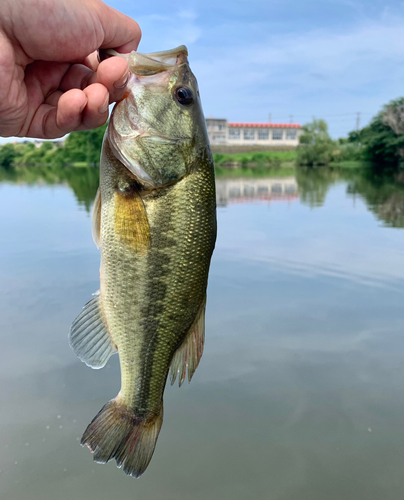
(163, 56)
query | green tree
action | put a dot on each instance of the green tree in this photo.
(84, 146)
(383, 140)
(7, 155)
(315, 145)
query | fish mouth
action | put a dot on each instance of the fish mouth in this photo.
(129, 128)
(151, 63)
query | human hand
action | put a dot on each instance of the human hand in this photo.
(51, 82)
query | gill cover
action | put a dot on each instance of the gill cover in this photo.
(158, 131)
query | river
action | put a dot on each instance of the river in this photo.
(300, 392)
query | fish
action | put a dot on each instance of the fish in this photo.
(154, 220)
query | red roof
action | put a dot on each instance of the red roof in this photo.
(265, 125)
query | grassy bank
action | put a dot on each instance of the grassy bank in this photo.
(261, 157)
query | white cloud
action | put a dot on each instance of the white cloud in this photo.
(319, 72)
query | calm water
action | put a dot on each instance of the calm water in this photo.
(300, 392)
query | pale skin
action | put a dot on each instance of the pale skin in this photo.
(51, 82)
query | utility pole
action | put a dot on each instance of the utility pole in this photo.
(358, 120)
(291, 118)
(270, 118)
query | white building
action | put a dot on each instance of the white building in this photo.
(222, 133)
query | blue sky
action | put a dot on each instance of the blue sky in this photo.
(324, 58)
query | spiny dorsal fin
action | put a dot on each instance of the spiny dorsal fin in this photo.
(96, 219)
(89, 337)
(190, 351)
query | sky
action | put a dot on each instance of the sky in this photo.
(292, 59)
(330, 59)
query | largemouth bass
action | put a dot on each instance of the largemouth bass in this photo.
(154, 219)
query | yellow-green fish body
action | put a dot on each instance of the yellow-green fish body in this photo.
(154, 219)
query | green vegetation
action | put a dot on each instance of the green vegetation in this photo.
(381, 142)
(316, 146)
(80, 148)
(268, 158)
(7, 155)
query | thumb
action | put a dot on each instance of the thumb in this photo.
(121, 32)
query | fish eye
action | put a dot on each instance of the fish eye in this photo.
(184, 95)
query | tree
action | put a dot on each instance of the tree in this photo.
(383, 140)
(7, 155)
(84, 146)
(315, 145)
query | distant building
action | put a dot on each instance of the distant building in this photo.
(222, 133)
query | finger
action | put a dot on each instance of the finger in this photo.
(53, 98)
(114, 74)
(92, 61)
(95, 112)
(121, 32)
(78, 76)
(50, 122)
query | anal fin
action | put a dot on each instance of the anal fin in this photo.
(190, 351)
(89, 337)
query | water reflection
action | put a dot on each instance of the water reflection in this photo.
(300, 392)
(248, 190)
(383, 191)
(83, 181)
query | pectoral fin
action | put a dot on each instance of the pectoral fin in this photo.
(89, 337)
(190, 351)
(96, 219)
(131, 225)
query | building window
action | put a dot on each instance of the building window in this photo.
(234, 133)
(221, 127)
(277, 134)
(263, 135)
(291, 135)
(249, 134)
(219, 137)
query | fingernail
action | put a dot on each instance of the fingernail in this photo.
(121, 83)
(104, 108)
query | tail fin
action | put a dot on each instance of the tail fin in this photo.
(116, 432)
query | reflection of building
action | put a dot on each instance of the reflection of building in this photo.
(249, 134)
(247, 190)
